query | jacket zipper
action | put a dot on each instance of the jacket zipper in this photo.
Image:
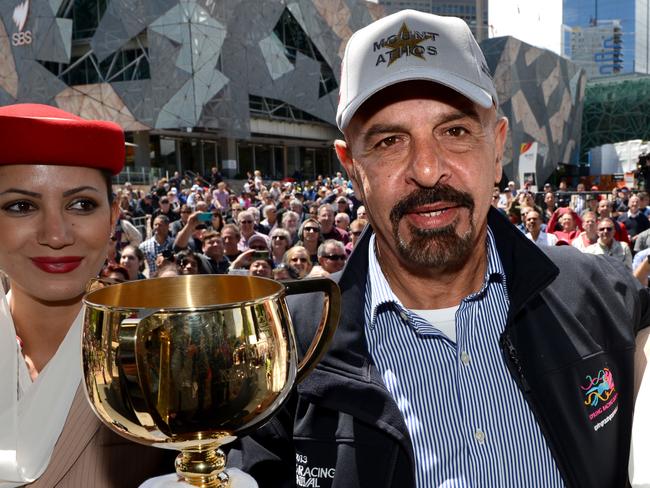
(516, 370)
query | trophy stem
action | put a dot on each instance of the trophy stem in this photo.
(203, 467)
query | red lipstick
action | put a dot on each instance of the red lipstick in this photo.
(61, 264)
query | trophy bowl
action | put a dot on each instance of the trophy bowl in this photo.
(191, 362)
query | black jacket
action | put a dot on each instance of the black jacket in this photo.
(343, 429)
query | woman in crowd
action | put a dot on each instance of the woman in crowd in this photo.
(57, 216)
(310, 238)
(280, 243)
(188, 263)
(115, 273)
(132, 258)
(298, 261)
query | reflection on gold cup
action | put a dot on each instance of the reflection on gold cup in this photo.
(190, 362)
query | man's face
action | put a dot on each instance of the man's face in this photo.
(334, 258)
(230, 241)
(261, 268)
(326, 219)
(160, 228)
(567, 223)
(606, 232)
(533, 222)
(425, 163)
(589, 223)
(633, 204)
(603, 208)
(213, 247)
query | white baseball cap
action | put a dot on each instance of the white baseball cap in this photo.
(412, 45)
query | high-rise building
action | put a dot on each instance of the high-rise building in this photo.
(468, 10)
(607, 37)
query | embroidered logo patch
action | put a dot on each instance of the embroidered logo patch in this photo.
(600, 397)
(405, 43)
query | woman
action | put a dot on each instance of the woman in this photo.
(187, 262)
(132, 258)
(298, 262)
(280, 243)
(310, 238)
(217, 220)
(57, 217)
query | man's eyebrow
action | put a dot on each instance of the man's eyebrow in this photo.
(378, 129)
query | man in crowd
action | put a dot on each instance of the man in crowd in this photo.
(160, 241)
(534, 230)
(213, 259)
(332, 256)
(327, 227)
(634, 220)
(246, 223)
(231, 237)
(464, 355)
(606, 244)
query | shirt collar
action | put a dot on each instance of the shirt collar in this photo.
(380, 292)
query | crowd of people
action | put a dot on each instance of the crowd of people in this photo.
(199, 225)
(614, 223)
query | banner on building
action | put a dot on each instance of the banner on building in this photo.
(528, 165)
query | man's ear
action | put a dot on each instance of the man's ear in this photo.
(500, 134)
(346, 160)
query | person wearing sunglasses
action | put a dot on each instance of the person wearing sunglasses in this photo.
(310, 238)
(332, 256)
(606, 244)
(298, 262)
(280, 243)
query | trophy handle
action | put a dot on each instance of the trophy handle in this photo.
(328, 322)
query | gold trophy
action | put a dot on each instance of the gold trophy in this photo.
(191, 362)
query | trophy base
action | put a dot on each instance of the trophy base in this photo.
(204, 468)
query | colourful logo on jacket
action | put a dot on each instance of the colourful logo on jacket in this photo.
(600, 397)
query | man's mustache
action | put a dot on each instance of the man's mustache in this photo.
(441, 192)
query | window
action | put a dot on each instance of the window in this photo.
(295, 40)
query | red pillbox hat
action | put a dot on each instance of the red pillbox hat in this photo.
(41, 134)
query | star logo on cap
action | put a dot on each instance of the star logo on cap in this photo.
(404, 42)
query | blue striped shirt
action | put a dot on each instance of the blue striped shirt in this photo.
(469, 424)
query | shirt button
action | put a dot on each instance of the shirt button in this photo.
(479, 435)
(464, 357)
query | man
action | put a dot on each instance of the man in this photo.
(634, 220)
(605, 211)
(231, 236)
(549, 206)
(534, 230)
(356, 229)
(332, 256)
(159, 242)
(246, 222)
(213, 260)
(590, 234)
(342, 221)
(165, 209)
(606, 244)
(177, 225)
(464, 356)
(261, 268)
(327, 228)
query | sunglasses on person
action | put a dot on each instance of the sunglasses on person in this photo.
(279, 238)
(606, 229)
(311, 229)
(335, 257)
(299, 260)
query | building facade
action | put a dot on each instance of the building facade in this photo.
(607, 37)
(242, 84)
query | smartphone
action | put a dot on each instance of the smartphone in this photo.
(261, 255)
(205, 217)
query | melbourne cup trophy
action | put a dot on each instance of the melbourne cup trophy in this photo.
(190, 362)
